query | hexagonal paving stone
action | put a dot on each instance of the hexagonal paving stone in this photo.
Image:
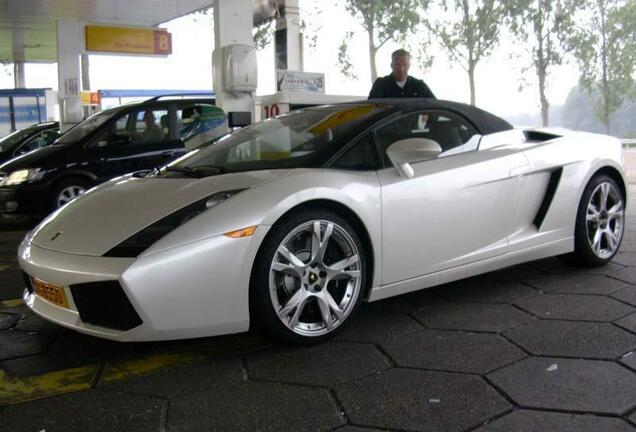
(516, 273)
(452, 351)
(625, 258)
(629, 360)
(572, 283)
(542, 421)
(250, 406)
(485, 290)
(575, 307)
(176, 382)
(407, 302)
(15, 307)
(356, 429)
(327, 364)
(8, 320)
(627, 274)
(69, 349)
(565, 384)
(369, 326)
(16, 343)
(628, 322)
(573, 339)
(556, 266)
(472, 316)
(627, 295)
(420, 400)
(11, 283)
(35, 323)
(91, 410)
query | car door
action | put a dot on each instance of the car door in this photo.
(457, 208)
(137, 140)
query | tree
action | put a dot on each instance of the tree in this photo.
(578, 113)
(6, 69)
(604, 44)
(382, 20)
(542, 25)
(468, 30)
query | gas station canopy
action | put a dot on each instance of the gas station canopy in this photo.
(28, 27)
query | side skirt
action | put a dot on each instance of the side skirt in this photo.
(553, 248)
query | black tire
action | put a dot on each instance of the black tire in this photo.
(584, 253)
(66, 185)
(273, 290)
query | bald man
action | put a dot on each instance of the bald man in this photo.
(399, 84)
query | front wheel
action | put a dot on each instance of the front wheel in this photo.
(67, 190)
(599, 222)
(308, 277)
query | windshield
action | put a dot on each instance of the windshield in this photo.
(12, 139)
(81, 130)
(301, 139)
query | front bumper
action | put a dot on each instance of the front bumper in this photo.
(195, 290)
(24, 199)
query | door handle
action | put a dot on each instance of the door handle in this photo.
(167, 154)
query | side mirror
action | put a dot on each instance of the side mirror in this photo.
(407, 151)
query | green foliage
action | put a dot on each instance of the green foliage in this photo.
(344, 61)
(604, 45)
(578, 113)
(6, 69)
(472, 33)
(382, 20)
(542, 26)
(468, 30)
(264, 34)
(388, 19)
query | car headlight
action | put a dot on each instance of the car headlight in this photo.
(139, 242)
(22, 176)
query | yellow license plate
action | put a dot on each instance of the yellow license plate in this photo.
(50, 292)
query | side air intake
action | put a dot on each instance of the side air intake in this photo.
(553, 183)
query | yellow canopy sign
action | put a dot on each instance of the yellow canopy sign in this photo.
(128, 40)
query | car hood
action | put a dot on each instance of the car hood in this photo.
(108, 214)
(35, 159)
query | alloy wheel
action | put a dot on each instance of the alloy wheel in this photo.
(315, 278)
(605, 218)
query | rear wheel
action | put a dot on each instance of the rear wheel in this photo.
(67, 190)
(308, 277)
(599, 222)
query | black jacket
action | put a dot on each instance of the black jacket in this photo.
(385, 87)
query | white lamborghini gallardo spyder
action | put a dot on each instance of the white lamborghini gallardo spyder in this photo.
(288, 224)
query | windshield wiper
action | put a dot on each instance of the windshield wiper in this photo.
(198, 171)
(208, 170)
(190, 172)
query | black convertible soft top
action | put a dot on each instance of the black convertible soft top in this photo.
(483, 121)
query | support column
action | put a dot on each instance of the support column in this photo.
(69, 36)
(232, 25)
(19, 75)
(86, 78)
(288, 44)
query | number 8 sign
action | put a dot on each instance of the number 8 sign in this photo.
(162, 42)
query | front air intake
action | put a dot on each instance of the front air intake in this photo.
(105, 304)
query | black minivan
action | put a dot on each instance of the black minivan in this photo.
(113, 142)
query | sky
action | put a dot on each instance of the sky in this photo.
(190, 66)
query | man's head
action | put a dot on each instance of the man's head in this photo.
(149, 118)
(400, 63)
